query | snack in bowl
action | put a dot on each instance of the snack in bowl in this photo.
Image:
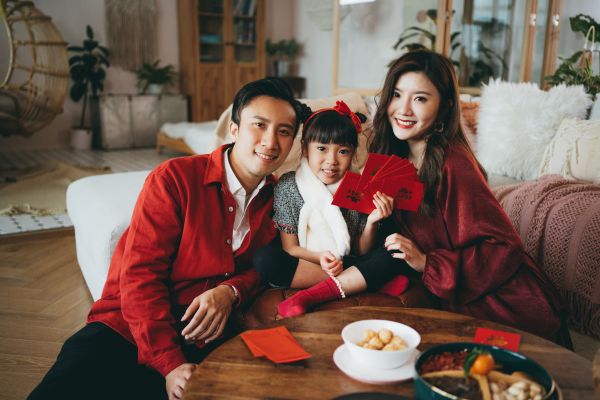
(366, 341)
(476, 371)
(383, 340)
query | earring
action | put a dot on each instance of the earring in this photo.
(438, 127)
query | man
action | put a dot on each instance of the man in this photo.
(184, 262)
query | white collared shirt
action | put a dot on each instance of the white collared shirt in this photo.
(241, 223)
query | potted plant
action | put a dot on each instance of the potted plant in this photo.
(574, 70)
(283, 53)
(87, 73)
(479, 70)
(152, 78)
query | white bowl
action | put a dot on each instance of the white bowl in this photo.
(354, 333)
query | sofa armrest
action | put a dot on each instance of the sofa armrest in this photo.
(100, 208)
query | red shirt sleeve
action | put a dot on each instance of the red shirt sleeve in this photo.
(485, 250)
(150, 247)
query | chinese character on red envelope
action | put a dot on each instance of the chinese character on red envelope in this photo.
(397, 177)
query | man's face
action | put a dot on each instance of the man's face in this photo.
(263, 139)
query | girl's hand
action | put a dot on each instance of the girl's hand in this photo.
(331, 265)
(409, 251)
(384, 207)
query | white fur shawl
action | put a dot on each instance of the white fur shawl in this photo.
(321, 225)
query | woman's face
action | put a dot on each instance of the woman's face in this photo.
(414, 106)
(329, 161)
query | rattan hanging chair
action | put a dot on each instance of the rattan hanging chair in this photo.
(34, 69)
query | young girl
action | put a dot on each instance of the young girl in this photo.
(324, 248)
(462, 242)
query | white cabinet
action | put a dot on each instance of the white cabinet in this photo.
(126, 121)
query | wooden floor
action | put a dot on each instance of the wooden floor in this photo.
(43, 301)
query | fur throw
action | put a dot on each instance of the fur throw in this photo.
(518, 120)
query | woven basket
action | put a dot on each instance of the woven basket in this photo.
(35, 85)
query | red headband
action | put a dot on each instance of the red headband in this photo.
(342, 109)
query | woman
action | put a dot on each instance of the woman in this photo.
(462, 242)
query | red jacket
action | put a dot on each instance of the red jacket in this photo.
(177, 246)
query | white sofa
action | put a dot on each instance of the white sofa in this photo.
(100, 208)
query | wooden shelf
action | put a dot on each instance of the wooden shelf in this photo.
(212, 72)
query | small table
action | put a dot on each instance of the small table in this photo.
(231, 371)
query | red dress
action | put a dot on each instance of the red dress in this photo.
(476, 263)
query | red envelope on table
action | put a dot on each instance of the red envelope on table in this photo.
(392, 175)
(497, 338)
(277, 344)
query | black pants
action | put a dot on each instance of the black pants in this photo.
(98, 363)
(277, 267)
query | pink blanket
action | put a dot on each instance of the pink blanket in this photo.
(559, 223)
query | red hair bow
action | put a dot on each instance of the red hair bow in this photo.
(342, 109)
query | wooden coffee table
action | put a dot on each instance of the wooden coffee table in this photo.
(231, 371)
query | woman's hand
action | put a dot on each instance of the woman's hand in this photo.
(330, 264)
(409, 251)
(177, 379)
(384, 206)
(209, 313)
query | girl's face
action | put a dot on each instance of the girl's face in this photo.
(329, 161)
(414, 106)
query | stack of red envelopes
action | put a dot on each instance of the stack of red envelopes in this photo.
(397, 177)
(277, 344)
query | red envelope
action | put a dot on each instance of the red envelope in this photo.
(348, 196)
(502, 339)
(277, 344)
(389, 174)
(372, 167)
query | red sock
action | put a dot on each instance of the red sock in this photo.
(396, 286)
(298, 304)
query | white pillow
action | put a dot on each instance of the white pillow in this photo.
(518, 120)
(574, 151)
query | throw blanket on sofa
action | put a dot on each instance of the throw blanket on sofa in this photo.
(559, 223)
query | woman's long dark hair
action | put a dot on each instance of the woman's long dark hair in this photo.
(440, 71)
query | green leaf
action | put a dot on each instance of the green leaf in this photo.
(90, 45)
(75, 60)
(89, 31)
(75, 48)
(77, 91)
(77, 72)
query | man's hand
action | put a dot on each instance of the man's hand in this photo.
(409, 251)
(208, 314)
(331, 265)
(384, 206)
(177, 379)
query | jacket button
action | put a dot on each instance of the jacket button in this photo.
(230, 209)
(227, 275)
(228, 241)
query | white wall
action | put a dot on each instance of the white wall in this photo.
(70, 18)
(316, 62)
